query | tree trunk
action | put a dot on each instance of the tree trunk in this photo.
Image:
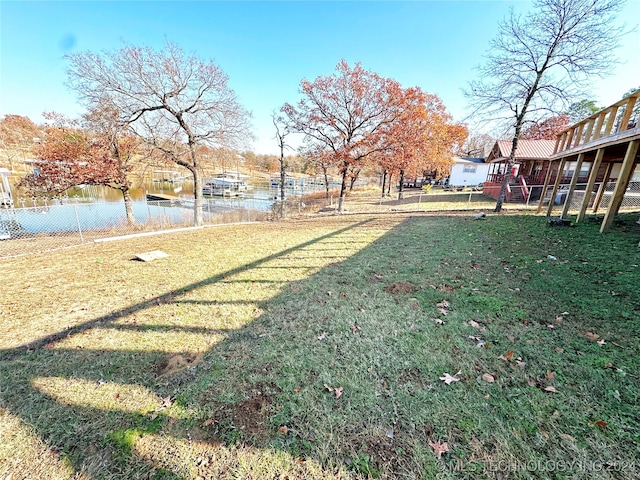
(507, 175)
(343, 191)
(400, 191)
(283, 177)
(128, 205)
(384, 182)
(353, 180)
(197, 191)
(326, 180)
(389, 184)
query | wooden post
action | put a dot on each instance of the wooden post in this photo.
(547, 178)
(572, 186)
(587, 134)
(599, 122)
(563, 141)
(578, 135)
(570, 138)
(621, 185)
(556, 185)
(593, 174)
(627, 114)
(603, 186)
(610, 120)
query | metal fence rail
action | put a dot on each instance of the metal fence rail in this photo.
(34, 229)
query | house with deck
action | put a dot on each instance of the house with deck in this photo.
(596, 162)
(532, 162)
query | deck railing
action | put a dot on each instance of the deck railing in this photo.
(613, 120)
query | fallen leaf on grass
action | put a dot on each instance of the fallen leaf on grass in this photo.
(601, 342)
(337, 391)
(559, 350)
(507, 357)
(448, 379)
(438, 321)
(598, 423)
(322, 336)
(594, 337)
(439, 448)
(487, 377)
(443, 311)
(550, 389)
(443, 304)
(474, 324)
(283, 430)
(445, 287)
(608, 365)
(567, 438)
(297, 389)
(550, 375)
(207, 422)
(355, 328)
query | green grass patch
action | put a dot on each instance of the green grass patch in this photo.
(315, 349)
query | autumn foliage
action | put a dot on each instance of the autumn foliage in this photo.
(547, 129)
(70, 155)
(355, 117)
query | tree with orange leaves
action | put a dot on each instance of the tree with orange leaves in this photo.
(71, 155)
(422, 137)
(547, 129)
(344, 115)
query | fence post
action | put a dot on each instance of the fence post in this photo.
(75, 210)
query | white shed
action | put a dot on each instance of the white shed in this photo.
(468, 171)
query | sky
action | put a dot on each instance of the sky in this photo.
(267, 48)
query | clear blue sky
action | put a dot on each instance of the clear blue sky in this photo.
(266, 48)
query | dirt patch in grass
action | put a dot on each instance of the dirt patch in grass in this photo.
(175, 364)
(402, 287)
(247, 420)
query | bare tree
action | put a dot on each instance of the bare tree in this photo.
(345, 115)
(175, 102)
(541, 61)
(282, 130)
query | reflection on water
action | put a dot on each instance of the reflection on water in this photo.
(92, 207)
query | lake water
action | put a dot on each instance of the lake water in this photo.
(91, 208)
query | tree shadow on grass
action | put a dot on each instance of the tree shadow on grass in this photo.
(89, 398)
(333, 373)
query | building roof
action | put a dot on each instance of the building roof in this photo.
(526, 150)
(469, 159)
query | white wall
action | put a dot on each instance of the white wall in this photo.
(459, 177)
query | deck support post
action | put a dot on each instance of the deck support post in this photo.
(547, 178)
(603, 187)
(588, 191)
(556, 185)
(621, 185)
(572, 186)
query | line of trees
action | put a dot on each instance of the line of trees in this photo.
(355, 118)
(174, 107)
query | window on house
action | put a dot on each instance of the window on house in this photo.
(469, 168)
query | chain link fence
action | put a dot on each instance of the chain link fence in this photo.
(67, 223)
(26, 230)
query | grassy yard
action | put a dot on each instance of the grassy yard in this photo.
(317, 349)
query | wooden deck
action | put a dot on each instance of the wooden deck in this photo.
(610, 136)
